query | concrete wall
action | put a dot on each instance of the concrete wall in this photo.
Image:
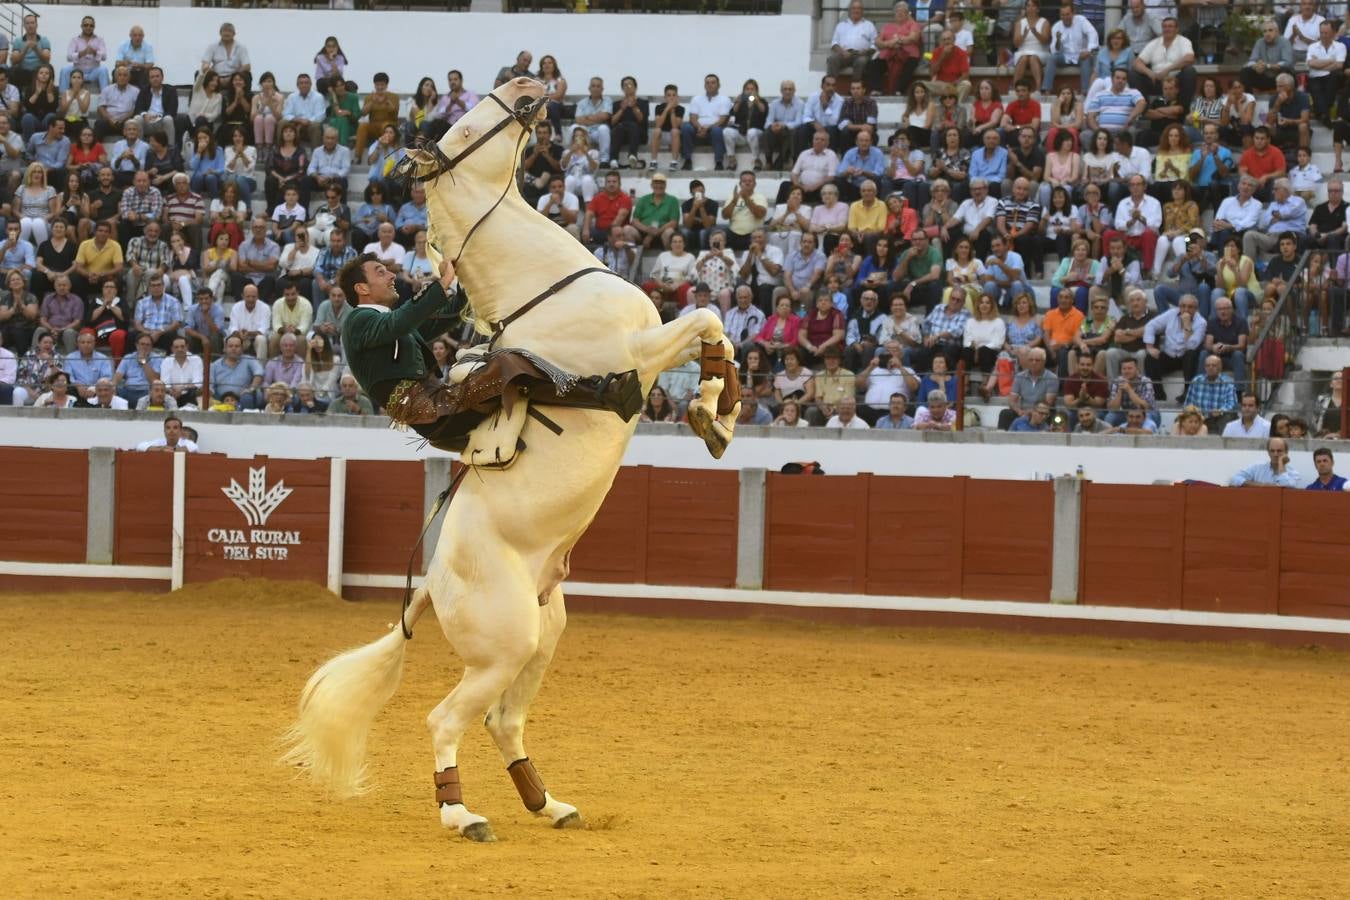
(408, 45)
(1107, 459)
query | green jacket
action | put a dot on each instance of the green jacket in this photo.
(385, 346)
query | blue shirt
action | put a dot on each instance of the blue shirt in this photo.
(1262, 473)
(332, 165)
(21, 256)
(885, 422)
(1337, 483)
(1293, 216)
(410, 214)
(311, 108)
(52, 154)
(1175, 342)
(828, 115)
(1022, 423)
(990, 169)
(138, 152)
(237, 378)
(874, 164)
(1208, 169)
(86, 372)
(132, 373)
(144, 56)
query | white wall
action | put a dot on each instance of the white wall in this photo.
(653, 49)
(1119, 460)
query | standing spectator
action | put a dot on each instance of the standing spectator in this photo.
(87, 52)
(227, 56)
(852, 44)
(1275, 471)
(594, 114)
(137, 56)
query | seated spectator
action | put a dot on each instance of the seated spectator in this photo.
(1033, 385)
(138, 212)
(1286, 214)
(618, 254)
(941, 378)
(976, 215)
(918, 274)
(1006, 273)
(158, 315)
(1274, 472)
(57, 393)
(1167, 54)
(305, 109)
(205, 164)
(1018, 223)
(789, 415)
(205, 325)
(1061, 326)
(156, 108)
(1327, 479)
(162, 161)
(668, 121)
(745, 124)
(1182, 331)
(159, 400)
(745, 212)
(861, 164)
(594, 113)
(1085, 389)
(1212, 392)
(1249, 423)
(36, 203)
(896, 417)
(61, 315)
(1137, 220)
(1078, 273)
(258, 257)
(237, 374)
(1031, 42)
(116, 104)
(1116, 109)
(1094, 334)
(344, 111)
(1283, 271)
(292, 316)
(1305, 178)
(656, 215)
(98, 258)
(752, 412)
(287, 367)
(884, 376)
(944, 331)
(917, 116)
(173, 439)
(16, 254)
(1036, 418)
(50, 149)
(330, 163)
(1271, 55)
(86, 366)
(1226, 337)
(822, 329)
(1130, 392)
(986, 115)
(138, 370)
(847, 415)
(950, 66)
(180, 374)
(103, 397)
(278, 398)
(990, 164)
(184, 210)
(19, 315)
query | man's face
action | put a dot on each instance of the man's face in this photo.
(386, 233)
(103, 390)
(291, 295)
(156, 288)
(1281, 192)
(142, 182)
(380, 280)
(101, 232)
(786, 90)
(86, 344)
(1134, 418)
(179, 348)
(1288, 248)
(523, 60)
(288, 342)
(979, 191)
(1213, 366)
(1260, 140)
(711, 84)
(30, 24)
(701, 298)
(1245, 189)
(1248, 407)
(543, 133)
(827, 85)
(1036, 363)
(990, 139)
(1323, 463)
(744, 296)
(1270, 32)
(1027, 139)
(1224, 309)
(336, 298)
(1170, 89)
(205, 301)
(1169, 29)
(611, 184)
(997, 247)
(258, 228)
(250, 296)
(1085, 366)
(1087, 417)
(897, 408)
(869, 300)
(1039, 413)
(137, 36)
(819, 141)
(748, 183)
(233, 347)
(337, 242)
(1137, 187)
(1118, 78)
(1188, 305)
(869, 192)
(122, 75)
(456, 82)
(329, 140)
(349, 387)
(864, 142)
(555, 187)
(173, 431)
(1021, 188)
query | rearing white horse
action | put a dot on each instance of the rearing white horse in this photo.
(495, 579)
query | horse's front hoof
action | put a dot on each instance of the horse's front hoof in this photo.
(714, 433)
(571, 820)
(479, 832)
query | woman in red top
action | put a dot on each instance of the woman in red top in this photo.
(780, 330)
(987, 113)
(86, 156)
(824, 327)
(900, 43)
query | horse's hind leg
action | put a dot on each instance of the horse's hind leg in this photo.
(494, 628)
(506, 720)
(691, 337)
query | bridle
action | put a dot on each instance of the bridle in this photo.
(524, 114)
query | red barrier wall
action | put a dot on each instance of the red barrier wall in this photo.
(382, 517)
(1232, 550)
(144, 514)
(1314, 554)
(1132, 545)
(45, 494)
(663, 526)
(285, 540)
(947, 537)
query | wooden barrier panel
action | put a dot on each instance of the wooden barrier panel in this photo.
(383, 516)
(614, 548)
(45, 494)
(262, 518)
(144, 515)
(1314, 554)
(1008, 540)
(1132, 545)
(663, 526)
(692, 518)
(1232, 550)
(815, 530)
(914, 536)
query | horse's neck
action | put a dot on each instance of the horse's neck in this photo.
(515, 255)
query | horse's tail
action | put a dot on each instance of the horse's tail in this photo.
(339, 704)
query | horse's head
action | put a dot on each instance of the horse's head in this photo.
(483, 147)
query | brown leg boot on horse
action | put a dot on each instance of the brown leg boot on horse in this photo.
(718, 377)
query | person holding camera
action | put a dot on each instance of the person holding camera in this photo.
(1194, 270)
(749, 111)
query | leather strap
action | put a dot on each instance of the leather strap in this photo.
(499, 327)
(448, 791)
(528, 784)
(712, 362)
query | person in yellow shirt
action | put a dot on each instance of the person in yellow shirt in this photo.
(745, 212)
(1061, 326)
(866, 217)
(97, 260)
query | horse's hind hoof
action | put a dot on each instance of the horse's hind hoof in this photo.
(571, 820)
(479, 832)
(714, 434)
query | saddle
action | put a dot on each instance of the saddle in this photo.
(481, 412)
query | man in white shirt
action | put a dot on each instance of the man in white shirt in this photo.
(705, 117)
(1302, 30)
(1326, 58)
(104, 396)
(1073, 42)
(1248, 424)
(853, 43)
(1138, 218)
(1236, 215)
(251, 320)
(886, 375)
(181, 373)
(744, 320)
(847, 416)
(976, 216)
(1169, 54)
(173, 439)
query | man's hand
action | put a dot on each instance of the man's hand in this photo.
(447, 273)
(1154, 352)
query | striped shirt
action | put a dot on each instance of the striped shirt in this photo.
(1016, 214)
(1112, 109)
(1212, 395)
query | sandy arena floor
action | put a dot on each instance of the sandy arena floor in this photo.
(750, 759)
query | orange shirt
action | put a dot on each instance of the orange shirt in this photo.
(1062, 327)
(1259, 165)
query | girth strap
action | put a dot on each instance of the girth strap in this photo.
(500, 326)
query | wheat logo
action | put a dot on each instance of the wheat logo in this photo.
(257, 503)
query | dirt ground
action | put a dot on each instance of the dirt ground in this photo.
(711, 759)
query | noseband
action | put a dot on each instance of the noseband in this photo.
(523, 115)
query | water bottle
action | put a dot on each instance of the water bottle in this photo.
(1078, 473)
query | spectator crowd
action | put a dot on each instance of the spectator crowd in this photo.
(894, 268)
